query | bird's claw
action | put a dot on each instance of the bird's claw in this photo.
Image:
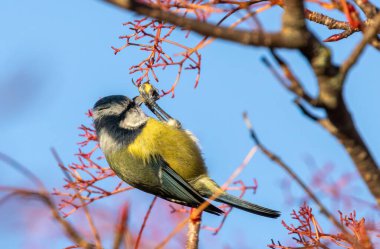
(149, 95)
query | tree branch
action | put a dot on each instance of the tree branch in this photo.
(295, 85)
(367, 7)
(121, 230)
(341, 125)
(44, 197)
(305, 111)
(94, 230)
(370, 10)
(276, 159)
(194, 228)
(255, 38)
(197, 211)
(368, 35)
(329, 76)
(294, 16)
(327, 21)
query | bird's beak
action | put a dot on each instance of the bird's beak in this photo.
(138, 100)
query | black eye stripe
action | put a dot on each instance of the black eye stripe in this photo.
(103, 108)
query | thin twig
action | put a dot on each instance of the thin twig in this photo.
(305, 111)
(22, 169)
(121, 227)
(368, 35)
(43, 196)
(291, 173)
(295, 85)
(205, 204)
(367, 7)
(94, 230)
(144, 222)
(327, 21)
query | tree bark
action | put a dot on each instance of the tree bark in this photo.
(194, 228)
(341, 125)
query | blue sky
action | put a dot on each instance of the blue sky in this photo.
(56, 61)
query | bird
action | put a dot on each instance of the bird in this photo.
(160, 158)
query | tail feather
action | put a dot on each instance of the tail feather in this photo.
(213, 210)
(207, 187)
(247, 206)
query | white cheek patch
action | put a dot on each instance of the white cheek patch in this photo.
(135, 118)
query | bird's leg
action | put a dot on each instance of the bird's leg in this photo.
(156, 109)
(171, 121)
(147, 98)
(149, 95)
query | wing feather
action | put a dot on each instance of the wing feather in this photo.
(179, 191)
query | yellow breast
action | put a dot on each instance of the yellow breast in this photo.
(174, 145)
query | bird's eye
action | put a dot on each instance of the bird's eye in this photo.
(103, 108)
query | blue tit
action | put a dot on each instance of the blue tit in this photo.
(158, 158)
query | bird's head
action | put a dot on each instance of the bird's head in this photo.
(118, 111)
